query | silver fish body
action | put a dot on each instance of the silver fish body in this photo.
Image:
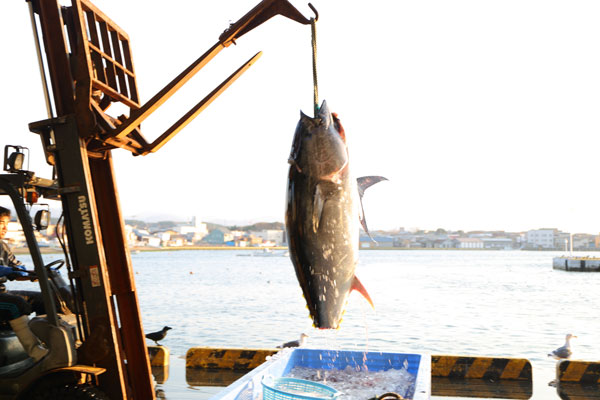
(323, 207)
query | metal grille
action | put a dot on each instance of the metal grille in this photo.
(108, 54)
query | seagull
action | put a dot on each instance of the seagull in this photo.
(295, 343)
(160, 335)
(564, 351)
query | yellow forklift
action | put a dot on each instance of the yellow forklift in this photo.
(96, 340)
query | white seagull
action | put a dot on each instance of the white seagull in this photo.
(295, 343)
(563, 352)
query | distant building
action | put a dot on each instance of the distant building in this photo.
(470, 243)
(562, 241)
(15, 235)
(215, 237)
(165, 235)
(276, 236)
(238, 234)
(378, 241)
(583, 241)
(449, 244)
(130, 236)
(150, 241)
(498, 243)
(542, 238)
(176, 241)
(195, 232)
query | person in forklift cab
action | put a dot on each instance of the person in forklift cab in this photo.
(15, 306)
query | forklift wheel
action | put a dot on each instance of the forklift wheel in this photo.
(71, 392)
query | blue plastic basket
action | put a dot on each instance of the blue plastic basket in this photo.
(292, 388)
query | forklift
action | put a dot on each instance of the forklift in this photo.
(93, 326)
(57, 375)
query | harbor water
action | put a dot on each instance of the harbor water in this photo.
(486, 303)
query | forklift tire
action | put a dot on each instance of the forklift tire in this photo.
(71, 392)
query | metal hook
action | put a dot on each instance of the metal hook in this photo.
(315, 11)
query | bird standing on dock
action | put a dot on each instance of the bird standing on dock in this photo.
(563, 352)
(160, 335)
(295, 343)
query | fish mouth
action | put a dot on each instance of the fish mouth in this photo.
(323, 118)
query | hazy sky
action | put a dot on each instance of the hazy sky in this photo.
(482, 114)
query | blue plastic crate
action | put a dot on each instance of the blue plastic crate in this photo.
(340, 359)
(249, 387)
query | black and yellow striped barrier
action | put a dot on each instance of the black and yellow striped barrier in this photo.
(483, 377)
(235, 359)
(159, 356)
(587, 372)
(489, 368)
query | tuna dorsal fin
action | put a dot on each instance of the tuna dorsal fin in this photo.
(318, 201)
(365, 182)
(356, 285)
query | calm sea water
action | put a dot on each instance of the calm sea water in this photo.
(487, 303)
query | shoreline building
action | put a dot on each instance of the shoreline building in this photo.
(544, 238)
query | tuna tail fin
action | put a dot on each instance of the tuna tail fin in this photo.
(365, 182)
(356, 285)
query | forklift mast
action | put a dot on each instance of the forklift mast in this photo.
(90, 66)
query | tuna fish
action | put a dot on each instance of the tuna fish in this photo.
(322, 217)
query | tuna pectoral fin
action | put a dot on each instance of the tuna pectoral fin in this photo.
(356, 285)
(318, 202)
(365, 182)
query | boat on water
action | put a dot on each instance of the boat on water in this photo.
(266, 252)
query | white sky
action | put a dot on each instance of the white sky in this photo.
(482, 114)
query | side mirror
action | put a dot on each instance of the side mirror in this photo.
(42, 220)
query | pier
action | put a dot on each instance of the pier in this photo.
(578, 264)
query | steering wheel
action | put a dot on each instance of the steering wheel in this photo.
(53, 263)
